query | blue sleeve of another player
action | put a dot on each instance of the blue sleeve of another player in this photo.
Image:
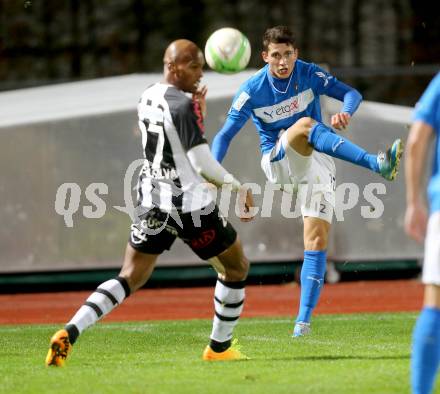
(429, 104)
(223, 138)
(342, 92)
(238, 115)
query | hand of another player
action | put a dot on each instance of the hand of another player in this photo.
(416, 220)
(340, 120)
(200, 97)
(246, 205)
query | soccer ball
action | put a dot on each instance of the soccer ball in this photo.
(227, 51)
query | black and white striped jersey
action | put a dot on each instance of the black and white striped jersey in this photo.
(171, 124)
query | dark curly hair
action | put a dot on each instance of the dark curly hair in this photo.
(278, 35)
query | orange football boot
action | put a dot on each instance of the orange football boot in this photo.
(60, 347)
(231, 354)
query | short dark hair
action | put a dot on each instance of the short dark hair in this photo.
(278, 35)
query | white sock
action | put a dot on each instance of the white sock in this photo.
(228, 303)
(104, 299)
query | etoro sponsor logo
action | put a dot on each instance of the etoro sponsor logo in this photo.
(286, 108)
(293, 106)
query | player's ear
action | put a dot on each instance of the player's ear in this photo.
(265, 56)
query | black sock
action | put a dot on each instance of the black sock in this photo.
(219, 347)
(73, 333)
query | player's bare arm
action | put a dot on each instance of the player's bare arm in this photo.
(416, 216)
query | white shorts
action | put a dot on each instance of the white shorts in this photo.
(431, 265)
(312, 178)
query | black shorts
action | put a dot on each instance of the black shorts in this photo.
(206, 232)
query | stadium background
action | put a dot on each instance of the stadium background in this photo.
(386, 49)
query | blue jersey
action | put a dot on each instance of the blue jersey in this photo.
(276, 104)
(428, 111)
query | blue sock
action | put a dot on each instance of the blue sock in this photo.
(312, 281)
(325, 140)
(425, 351)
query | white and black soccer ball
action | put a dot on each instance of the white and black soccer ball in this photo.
(227, 51)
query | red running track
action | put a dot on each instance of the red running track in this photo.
(196, 303)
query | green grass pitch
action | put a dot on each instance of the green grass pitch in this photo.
(359, 353)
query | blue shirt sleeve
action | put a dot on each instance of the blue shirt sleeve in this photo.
(238, 114)
(223, 138)
(350, 97)
(428, 107)
(325, 83)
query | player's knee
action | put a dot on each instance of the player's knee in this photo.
(299, 129)
(305, 124)
(238, 271)
(316, 242)
(298, 133)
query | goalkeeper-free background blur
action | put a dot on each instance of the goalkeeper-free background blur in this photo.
(387, 49)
